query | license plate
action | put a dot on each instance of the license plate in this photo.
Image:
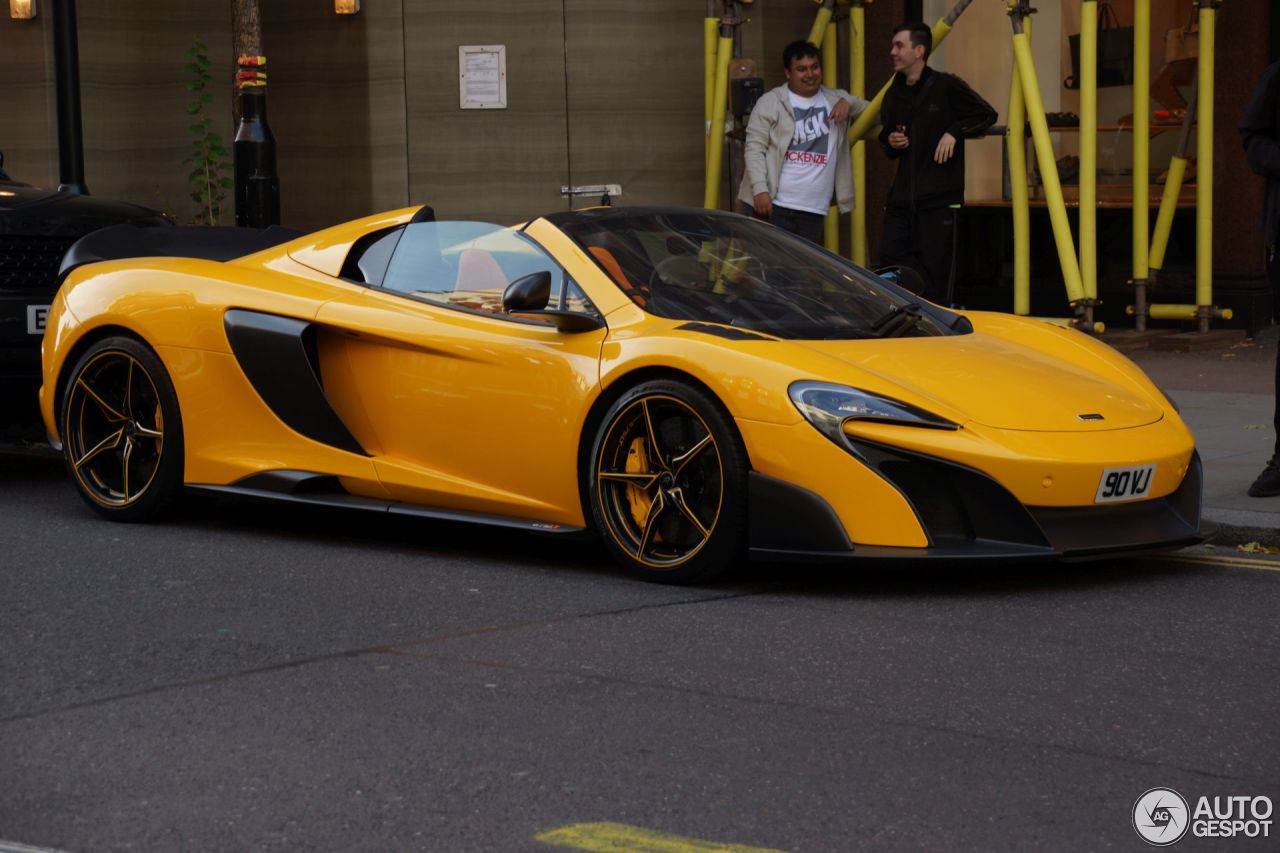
(1125, 484)
(36, 317)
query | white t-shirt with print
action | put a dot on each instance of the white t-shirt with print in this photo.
(809, 165)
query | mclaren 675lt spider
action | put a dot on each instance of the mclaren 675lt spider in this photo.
(692, 386)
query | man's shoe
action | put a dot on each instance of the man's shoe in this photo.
(1268, 483)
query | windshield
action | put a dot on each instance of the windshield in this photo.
(724, 268)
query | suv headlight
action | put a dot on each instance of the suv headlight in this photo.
(828, 406)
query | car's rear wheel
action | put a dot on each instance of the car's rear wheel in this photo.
(122, 431)
(668, 484)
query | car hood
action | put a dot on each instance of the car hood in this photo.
(32, 210)
(995, 382)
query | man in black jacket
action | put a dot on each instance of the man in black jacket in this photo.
(1260, 131)
(927, 115)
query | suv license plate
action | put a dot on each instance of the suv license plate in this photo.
(1125, 484)
(36, 316)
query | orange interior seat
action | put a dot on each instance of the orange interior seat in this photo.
(480, 282)
(610, 264)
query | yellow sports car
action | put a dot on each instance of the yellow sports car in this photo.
(693, 386)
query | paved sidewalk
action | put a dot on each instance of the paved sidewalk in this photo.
(1226, 397)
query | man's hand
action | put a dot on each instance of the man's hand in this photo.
(898, 139)
(840, 112)
(763, 205)
(946, 147)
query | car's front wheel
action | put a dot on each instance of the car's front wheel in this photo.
(668, 484)
(122, 431)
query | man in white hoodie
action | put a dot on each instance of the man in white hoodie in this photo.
(797, 156)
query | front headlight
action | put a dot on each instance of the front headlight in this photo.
(828, 406)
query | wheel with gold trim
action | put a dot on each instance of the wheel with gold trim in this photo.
(122, 431)
(668, 484)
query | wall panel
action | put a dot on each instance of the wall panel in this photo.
(635, 98)
(336, 106)
(494, 165)
(134, 97)
(27, 118)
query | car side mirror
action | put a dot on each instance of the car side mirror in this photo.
(529, 295)
(530, 292)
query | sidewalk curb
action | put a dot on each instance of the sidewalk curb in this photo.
(1226, 534)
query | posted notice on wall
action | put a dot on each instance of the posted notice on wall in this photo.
(482, 76)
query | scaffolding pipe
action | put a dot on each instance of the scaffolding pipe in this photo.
(831, 223)
(1141, 138)
(820, 22)
(1168, 204)
(1016, 146)
(1173, 184)
(1204, 164)
(858, 88)
(1182, 312)
(1088, 210)
(710, 35)
(1048, 166)
(715, 133)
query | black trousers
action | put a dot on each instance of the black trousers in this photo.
(798, 222)
(923, 240)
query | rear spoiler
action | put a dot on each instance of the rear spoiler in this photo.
(210, 243)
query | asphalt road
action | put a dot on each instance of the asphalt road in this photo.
(264, 678)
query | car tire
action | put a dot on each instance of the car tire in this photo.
(122, 431)
(668, 484)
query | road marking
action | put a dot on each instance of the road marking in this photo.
(1229, 562)
(15, 847)
(620, 838)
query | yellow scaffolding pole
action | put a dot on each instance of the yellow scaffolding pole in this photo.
(1202, 93)
(1016, 146)
(1048, 166)
(1173, 185)
(1141, 137)
(1182, 312)
(1140, 212)
(819, 30)
(858, 88)
(1204, 164)
(715, 133)
(1088, 211)
(710, 34)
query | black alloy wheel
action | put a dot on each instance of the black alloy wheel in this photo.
(122, 432)
(668, 484)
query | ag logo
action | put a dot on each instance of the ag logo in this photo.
(1161, 816)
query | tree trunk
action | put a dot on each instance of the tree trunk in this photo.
(246, 40)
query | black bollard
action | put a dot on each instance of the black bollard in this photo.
(257, 185)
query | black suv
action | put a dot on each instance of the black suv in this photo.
(37, 226)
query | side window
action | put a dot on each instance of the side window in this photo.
(469, 265)
(571, 298)
(427, 260)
